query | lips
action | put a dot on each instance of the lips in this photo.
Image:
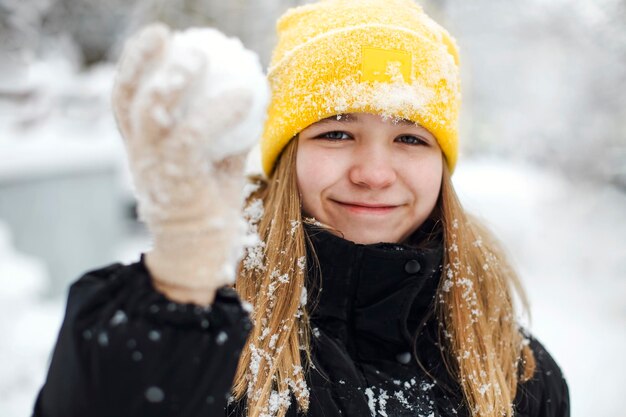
(366, 205)
(362, 207)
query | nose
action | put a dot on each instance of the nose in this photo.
(372, 168)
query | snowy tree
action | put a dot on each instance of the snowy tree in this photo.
(542, 81)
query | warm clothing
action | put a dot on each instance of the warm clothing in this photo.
(125, 350)
(122, 342)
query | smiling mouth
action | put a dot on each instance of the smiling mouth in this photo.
(358, 207)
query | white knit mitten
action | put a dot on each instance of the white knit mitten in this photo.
(189, 106)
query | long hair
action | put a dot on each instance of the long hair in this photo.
(486, 351)
(271, 278)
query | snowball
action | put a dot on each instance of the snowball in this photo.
(230, 66)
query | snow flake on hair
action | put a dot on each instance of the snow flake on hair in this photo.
(255, 247)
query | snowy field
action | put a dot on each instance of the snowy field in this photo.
(566, 239)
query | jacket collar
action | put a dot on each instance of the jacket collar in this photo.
(373, 297)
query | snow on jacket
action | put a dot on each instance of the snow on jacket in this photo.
(126, 350)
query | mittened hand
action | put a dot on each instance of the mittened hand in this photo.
(189, 106)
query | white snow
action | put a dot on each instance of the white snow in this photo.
(28, 326)
(228, 66)
(67, 126)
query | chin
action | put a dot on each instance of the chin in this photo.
(369, 238)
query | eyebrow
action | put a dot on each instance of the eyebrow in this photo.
(353, 118)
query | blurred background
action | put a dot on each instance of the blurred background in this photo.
(543, 162)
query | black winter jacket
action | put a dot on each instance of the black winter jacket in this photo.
(126, 350)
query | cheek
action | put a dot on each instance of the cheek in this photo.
(426, 180)
(314, 175)
(318, 170)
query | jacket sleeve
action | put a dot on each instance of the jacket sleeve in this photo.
(546, 394)
(126, 350)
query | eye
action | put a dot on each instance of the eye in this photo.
(411, 140)
(336, 135)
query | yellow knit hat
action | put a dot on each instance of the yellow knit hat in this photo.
(383, 57)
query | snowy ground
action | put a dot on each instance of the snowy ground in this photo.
(566, 239)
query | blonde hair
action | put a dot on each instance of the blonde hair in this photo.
(486, 351)
(272, 279)
(485, 346)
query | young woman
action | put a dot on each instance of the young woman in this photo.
(368, 292)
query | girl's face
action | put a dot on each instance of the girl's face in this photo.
(373, 179)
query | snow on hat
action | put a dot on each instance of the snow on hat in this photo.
(375, 56)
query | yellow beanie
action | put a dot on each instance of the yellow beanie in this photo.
(383, 57)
